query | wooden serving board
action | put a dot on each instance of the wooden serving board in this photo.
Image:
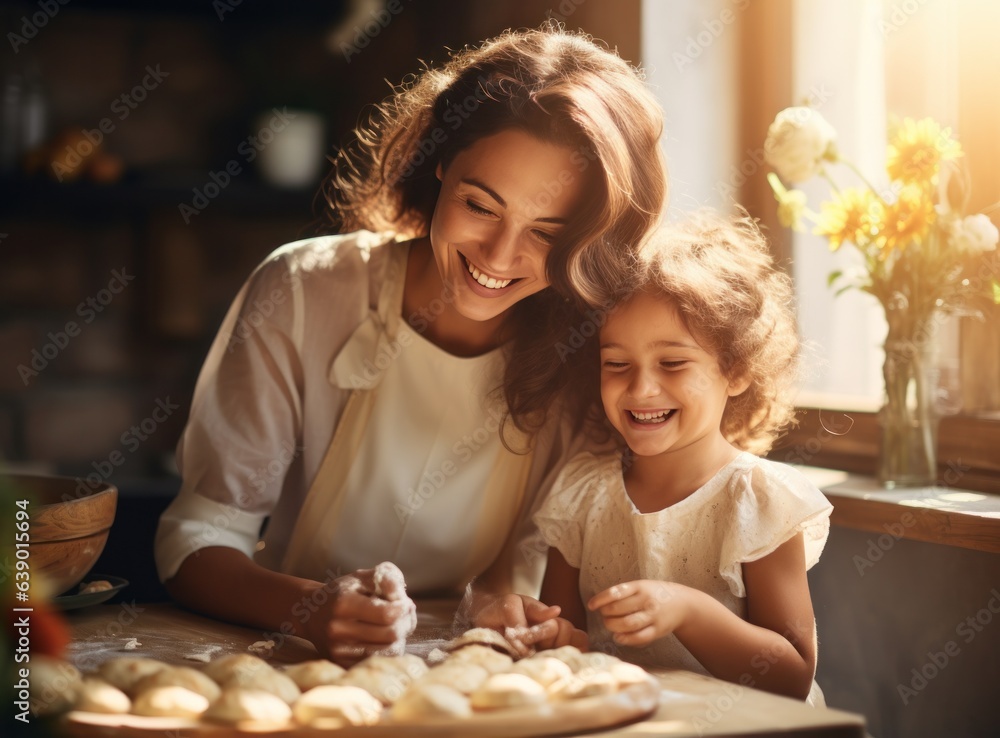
(631, 704)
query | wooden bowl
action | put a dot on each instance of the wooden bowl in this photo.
(70, 523)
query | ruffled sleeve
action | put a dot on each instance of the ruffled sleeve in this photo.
(772, 502)
(562, 517)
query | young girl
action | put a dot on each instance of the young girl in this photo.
(686, 549)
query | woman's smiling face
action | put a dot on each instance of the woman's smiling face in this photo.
(503, 201)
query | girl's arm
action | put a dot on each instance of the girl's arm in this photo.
(343, 622)
(774, 649)
(561, 586)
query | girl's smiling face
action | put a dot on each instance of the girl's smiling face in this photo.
(503, 202)
(660, 389)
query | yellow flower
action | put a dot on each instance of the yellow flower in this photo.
(917, 149)
(908, 219)
(853, 215)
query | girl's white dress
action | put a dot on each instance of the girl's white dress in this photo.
(748, 509)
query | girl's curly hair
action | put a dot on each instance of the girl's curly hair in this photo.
(719, 274)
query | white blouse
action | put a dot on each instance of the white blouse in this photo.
(298, 341)
(748, 509)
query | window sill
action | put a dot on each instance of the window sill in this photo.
(944, 515)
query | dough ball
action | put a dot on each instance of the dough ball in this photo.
(569, 655)
(508, 690)
(594, 661)
(169, 702)
(222, 668)
(627, 674)
(125, 672)
(389, 582)
(315, 673)
(265, 680)
(493, 661)
(545, 670)
(483, 637)
(464, 677)
(386, 685)
(236, 705)
(588, 683)
(422, 701)
(96, 695)
(407, 663)
(180, 676)
(100, 585)
(54, 684)
(333, 706)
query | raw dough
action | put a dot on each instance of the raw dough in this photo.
(545, 670)
(333, 706)
(96, 695)
(627, 674)
(54, 684)
(169, 702)
(124, 672)
(422, 701)
(98, 585)
(411, 665)
(593, 661)
(266, 680)
(261, 648)
(587, 683)
(389, 582)
(386, 685)
(508, 690)
(315, 673)
(466, 677)
(484, 656)
(236, 705)
(569, 655)
(131, 644)
(222, 668)
(180, 676)
(483, 637)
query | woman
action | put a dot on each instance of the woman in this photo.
(349, 395)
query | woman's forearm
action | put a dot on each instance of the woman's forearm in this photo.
(223, 583)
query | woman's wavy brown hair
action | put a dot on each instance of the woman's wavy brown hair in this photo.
(563, 88)
(720, 276)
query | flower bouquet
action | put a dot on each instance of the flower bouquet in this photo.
(919, 250)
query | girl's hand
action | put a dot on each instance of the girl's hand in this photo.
(362, 616)
(566, 635)
(641, 611)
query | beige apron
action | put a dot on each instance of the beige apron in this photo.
(356, 368)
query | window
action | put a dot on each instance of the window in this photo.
(724, 68)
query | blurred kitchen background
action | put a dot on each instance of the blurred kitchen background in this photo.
(152, 155)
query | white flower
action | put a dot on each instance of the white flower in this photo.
(974, 234)
(791, 203)
(797, 142)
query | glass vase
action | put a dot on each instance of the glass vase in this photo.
(908, 420)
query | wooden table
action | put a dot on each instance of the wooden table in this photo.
(690, 704)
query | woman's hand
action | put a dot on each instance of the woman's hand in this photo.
(367, 612)
(641, 611)
(522, 620)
